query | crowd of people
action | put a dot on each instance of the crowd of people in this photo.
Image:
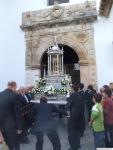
(14, 112)
(18, 115)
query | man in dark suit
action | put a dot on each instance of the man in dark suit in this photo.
(74, 105)
(82, 96)
(25, 107)
(10, 116)
(89, 93)
(29, 94)
(45, 124)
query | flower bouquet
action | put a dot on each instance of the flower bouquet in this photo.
(41, 82)
(50, 90)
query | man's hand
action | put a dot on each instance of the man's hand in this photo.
(19, 132)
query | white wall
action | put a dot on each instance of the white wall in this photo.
(103, 30)
(12, 44)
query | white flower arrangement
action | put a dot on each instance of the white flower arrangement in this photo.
(41, 82)
(49, 90)
(41, 87)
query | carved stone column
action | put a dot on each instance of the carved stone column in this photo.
(84, 72)
(48, 64)
(93, 74)
(62, 64)
(57, 64)
(32, 74)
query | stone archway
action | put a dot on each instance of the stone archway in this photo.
(70, 28)
(70, 60)
(71, 42)
(87, 64)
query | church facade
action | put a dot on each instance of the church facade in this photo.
(83, 28)
(72, 25)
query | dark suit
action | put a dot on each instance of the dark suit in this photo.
(10, 118)
(89, 101)
(82, 96)
(30, 96)
(25, 104)
(25, 107)
(45, 124)
(74, 123)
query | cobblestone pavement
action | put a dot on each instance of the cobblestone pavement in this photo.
(86, 141)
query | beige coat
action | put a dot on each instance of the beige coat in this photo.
(3, 145)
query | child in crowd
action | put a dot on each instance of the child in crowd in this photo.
(97, 122)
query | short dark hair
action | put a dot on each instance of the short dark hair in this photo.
(75, 87)
(98, 97)
(43, 99)
(107, 92)
(90, 87)
(81, 85)
(11, 83)
(106, 87)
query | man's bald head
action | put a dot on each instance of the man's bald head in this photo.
(12, 85)
(22, 90)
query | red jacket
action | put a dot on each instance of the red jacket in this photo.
(108, 111)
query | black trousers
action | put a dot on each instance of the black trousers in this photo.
(53, 137)
(23, 136)
(109, 136)
(89, 108)
(83, 125)
(12, 140)
(73, 136)
(61, 107)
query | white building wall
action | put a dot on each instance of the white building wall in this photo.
(103, 34)
(12, 44)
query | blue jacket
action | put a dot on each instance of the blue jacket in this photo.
(44, 119)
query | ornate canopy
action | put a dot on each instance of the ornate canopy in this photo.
(55, 60)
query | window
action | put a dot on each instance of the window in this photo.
(51, 2)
